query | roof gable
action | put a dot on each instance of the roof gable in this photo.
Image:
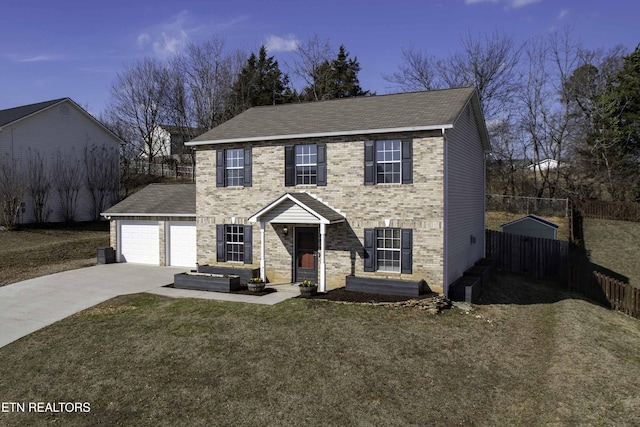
(413, 111)
(532, 217)
(14, 114)
(313, 209)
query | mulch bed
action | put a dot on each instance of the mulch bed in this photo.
(341, 294)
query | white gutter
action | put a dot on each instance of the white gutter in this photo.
(318, 135)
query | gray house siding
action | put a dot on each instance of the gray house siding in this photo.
(465, 196)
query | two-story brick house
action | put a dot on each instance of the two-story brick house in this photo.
(381, 187)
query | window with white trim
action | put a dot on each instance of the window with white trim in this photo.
(388, 161)
(234, 164)
(235, 243)
(388, 249)
(306, 164)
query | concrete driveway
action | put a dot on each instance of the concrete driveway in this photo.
(28, 306)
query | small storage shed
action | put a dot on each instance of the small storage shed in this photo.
(156, 225)
(532, 226)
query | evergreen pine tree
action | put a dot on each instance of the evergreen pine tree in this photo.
(260, 82)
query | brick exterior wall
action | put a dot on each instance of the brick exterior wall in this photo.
(419, 206)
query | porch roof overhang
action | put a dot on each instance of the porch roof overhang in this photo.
(298, 208)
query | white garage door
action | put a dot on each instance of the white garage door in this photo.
(139, 242)
(182, 244)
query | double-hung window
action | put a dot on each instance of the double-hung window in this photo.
(388, 161)
(234, 236)
(233, 167)
(388, 250)
(234, 164)
(234, 243)
(305, 164)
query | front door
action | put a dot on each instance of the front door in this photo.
(306, 254)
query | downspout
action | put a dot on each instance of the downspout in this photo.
(445, 275)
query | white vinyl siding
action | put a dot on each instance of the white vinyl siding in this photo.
(289, 212)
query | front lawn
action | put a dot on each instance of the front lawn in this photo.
(37, 251)
(529, 355)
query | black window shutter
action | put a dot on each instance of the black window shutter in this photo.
(406, 250)
(407, 161)
(248, 244)
(322, 164)
(369, 249)
(221, 253)
(369, 163)
(220, 168)
(247, 167)
(289, 167)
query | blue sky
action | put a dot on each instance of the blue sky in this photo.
(54, 49)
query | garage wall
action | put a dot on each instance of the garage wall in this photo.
(162, 232)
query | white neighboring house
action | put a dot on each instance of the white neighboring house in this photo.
(72, 147)
(168, 141)
(544, 165)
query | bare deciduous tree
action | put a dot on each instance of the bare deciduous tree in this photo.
(102, 177)
(546, 114)
(38, 185)
(69, 176)
(139, 101)
(12, 190)
(489, 62)
(206, 73)
(310, 55)
(417, 72)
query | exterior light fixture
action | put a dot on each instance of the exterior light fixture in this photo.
(285, 230)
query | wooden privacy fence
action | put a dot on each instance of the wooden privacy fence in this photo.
(531, 256)
(605, 289)
(600, 209)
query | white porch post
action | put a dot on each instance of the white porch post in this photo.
(323, 284)
(263, 271)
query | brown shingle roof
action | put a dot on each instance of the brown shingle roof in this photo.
(405, 111)
(158, 200)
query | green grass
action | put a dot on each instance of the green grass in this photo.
(529, 355)
(35, 251)
(614, 245)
